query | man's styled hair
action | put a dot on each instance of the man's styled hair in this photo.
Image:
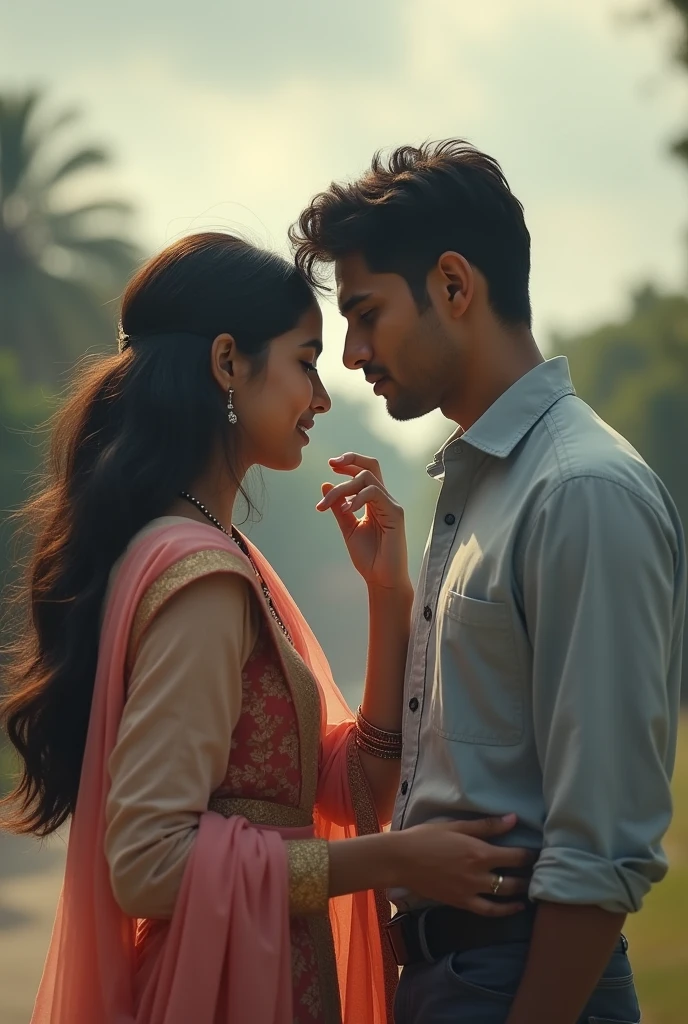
(412, 206)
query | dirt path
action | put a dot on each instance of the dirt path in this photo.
(30, 879)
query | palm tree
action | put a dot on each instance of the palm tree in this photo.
(61, 262)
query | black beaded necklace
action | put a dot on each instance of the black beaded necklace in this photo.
(239, 540)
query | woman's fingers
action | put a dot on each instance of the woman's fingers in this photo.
(375, 496)
(350, 488)
(508, 887)
(345, 518)
(485, 828)
(351, 463)
(514, 856)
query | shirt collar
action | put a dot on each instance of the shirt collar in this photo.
(509, 419)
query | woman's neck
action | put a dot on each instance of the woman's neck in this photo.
(213, 490)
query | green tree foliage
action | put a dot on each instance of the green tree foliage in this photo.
(635, 375)
(22, 409)
(677, 10)
(680, 8)
(61, 261)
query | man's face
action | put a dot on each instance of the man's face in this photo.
(405, 354)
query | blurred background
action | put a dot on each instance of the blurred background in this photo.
(126, 126)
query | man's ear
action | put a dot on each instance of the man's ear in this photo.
(453, 283)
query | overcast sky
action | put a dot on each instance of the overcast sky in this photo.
(232, 114)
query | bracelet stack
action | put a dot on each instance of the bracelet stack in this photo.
(377, 742)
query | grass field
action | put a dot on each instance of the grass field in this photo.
(658, 936)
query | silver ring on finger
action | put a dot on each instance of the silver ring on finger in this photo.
(497, 882)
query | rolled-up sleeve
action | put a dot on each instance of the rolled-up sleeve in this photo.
(603, 601)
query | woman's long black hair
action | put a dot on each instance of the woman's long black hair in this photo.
(137, 428)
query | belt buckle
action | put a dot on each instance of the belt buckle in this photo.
(423, 938)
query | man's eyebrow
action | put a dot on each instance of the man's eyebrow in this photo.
(316, 343)
(353, 301)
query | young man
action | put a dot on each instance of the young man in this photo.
(544, 667)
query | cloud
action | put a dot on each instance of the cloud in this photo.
(245, 47)
(234, 118)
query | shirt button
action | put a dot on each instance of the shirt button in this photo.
(427, 613)
(450, 519)
(404, 788)
(413, 703)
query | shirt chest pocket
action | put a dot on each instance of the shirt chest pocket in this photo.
(478, 690)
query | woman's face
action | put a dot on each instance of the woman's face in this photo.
(276, 407)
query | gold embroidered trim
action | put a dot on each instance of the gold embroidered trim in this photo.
(366, 823)
(183, 572)
(320, 931)
(260, 812)
(303, 687)
(366, 816)
(306, 697)
(309, 876)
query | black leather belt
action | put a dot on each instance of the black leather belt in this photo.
(428, 935)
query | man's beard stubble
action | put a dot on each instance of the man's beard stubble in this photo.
(410, 404)
(405, 406)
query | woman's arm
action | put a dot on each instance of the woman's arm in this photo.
(448, 862)
(389, 625)
(377, 545)
(183, 702)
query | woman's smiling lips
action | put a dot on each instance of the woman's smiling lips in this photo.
(303, 426)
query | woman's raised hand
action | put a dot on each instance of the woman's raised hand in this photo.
(377, 541)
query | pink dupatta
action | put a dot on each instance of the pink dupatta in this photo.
(226, 958)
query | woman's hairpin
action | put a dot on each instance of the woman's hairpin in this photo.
(123, 339)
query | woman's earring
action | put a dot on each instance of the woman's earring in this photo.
(231, 415)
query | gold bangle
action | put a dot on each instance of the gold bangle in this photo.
(378, 744)
(391, 753)
(373, 733)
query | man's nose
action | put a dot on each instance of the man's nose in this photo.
(357, 352)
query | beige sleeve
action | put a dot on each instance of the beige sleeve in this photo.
(174, 740)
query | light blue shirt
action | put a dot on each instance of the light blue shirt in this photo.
(544, 667)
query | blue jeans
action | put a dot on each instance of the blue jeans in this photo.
(478, 988)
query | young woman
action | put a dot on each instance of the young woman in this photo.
(225, 858)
